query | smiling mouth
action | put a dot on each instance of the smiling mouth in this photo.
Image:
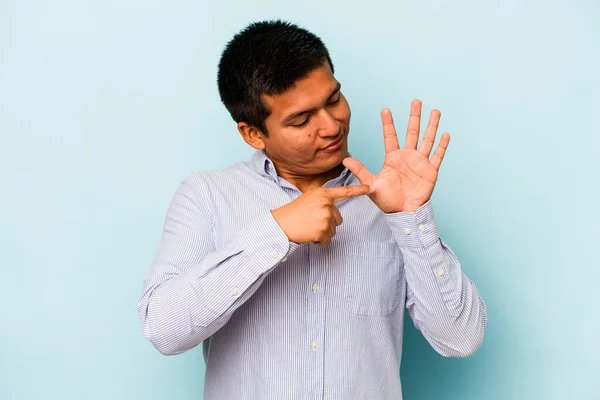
(333, 144)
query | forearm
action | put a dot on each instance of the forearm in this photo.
(180, 311)
(443, 303)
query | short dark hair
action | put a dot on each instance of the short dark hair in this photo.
(266, 58)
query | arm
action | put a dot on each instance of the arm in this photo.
(193, 288)
(443, 303)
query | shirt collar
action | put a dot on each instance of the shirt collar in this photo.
(265, 167)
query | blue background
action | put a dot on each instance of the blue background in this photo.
(106, 105)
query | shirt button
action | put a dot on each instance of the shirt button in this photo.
(284, 259)
(313, 345)
(274, 253)
(441, 272)
(234, 291)
(407, 231)
(315, 288)
(422, 227)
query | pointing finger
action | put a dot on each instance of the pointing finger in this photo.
(340, 193)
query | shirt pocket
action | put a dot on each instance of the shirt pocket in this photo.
(372, 275)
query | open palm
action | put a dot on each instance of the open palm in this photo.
(407, 178)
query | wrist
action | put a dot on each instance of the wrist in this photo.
(403, 209)
(407, 208)
(410, 209)
(281, 221)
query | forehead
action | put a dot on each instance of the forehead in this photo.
(310, 92)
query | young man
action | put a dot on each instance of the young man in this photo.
(294, 268)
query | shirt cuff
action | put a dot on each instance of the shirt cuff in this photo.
(266, 243)
(414, 229)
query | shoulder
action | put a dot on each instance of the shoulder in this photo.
(212, 179)
(208, 184)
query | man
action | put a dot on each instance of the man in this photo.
(293, 268)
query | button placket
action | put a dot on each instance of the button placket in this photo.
(318, 257)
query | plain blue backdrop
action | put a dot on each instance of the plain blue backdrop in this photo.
(106, 105)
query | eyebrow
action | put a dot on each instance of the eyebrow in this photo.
(296, 114)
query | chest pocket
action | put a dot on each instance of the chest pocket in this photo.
(372, 277)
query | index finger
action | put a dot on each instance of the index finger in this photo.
(340, 193)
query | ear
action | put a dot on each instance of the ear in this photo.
(251, 135)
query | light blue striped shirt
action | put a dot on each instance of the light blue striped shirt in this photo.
(280, 320)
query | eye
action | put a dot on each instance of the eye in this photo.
(302, 124)
(337, 100)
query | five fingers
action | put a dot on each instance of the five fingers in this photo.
(412, 133)
(365, 177)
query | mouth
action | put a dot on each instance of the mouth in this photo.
(334, 145)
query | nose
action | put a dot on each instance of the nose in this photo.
(329, 125)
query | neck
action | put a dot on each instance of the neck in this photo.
(308, 183)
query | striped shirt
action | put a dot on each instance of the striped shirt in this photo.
(279, 320)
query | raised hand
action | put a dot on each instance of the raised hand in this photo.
(408, 176)
(314, 216)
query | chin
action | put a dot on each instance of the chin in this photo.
(337, 157)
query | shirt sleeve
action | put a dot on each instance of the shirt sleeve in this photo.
(442, 302)
(193, 287)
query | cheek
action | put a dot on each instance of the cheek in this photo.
(299, 143)
(343, 111)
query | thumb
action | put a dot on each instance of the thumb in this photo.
(358, 169)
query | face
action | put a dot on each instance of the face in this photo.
(304, 123)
